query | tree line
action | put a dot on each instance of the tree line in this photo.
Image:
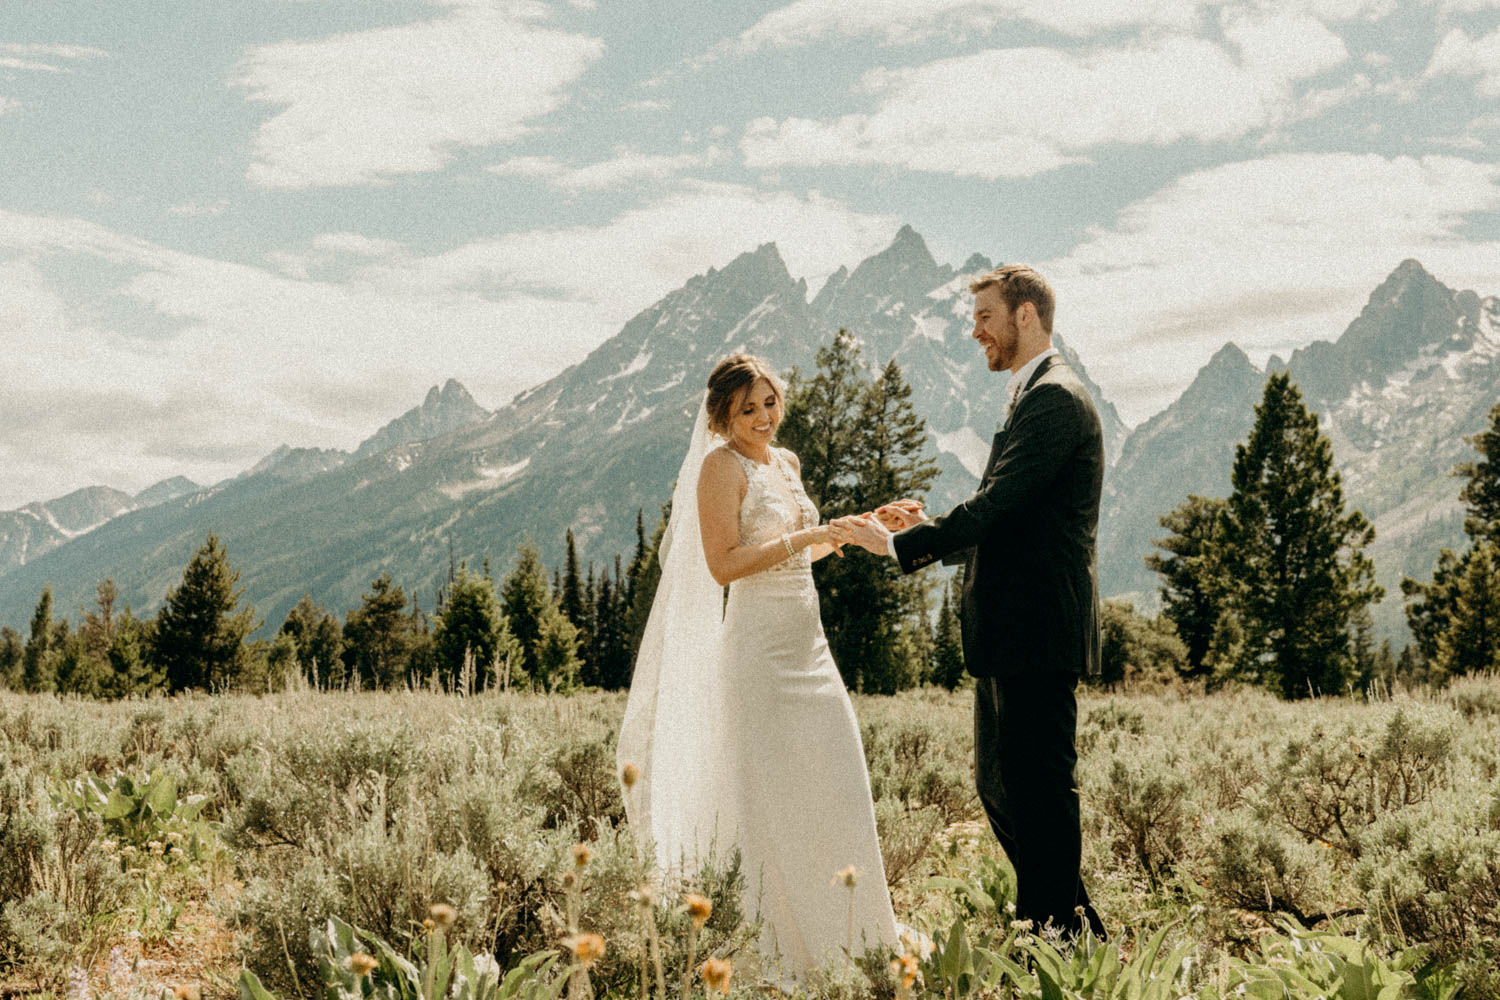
(523, 631)
(1268, 586)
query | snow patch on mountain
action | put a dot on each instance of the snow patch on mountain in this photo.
(967, 446)
(638, 363)
(932, 327)
(489, 478)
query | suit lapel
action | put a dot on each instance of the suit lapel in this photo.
(1041, 369)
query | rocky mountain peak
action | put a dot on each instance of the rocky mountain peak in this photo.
(1410, 313)
(903, 272)
(451, 393)
(761, 266)
(167, 489)
(288, 463)
(1228, 360)
(977, 263)
(444, 409)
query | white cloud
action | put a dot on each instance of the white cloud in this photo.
(1053, 106)
(363, 107)
(8, 104)
(44, 58)
(652, 249)
(1269, 253)
(186, 365)
(805, 22)
(1462, 56)
(627, 167)
(356, 244)
(192, 209)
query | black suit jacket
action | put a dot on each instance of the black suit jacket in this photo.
(1027, 537)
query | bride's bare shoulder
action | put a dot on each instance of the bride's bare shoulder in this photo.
(720, 467)
(792, 459)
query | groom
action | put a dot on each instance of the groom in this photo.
(1030, 603)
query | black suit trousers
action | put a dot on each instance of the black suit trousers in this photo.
(1025, 766)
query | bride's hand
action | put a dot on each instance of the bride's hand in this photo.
(824, 535)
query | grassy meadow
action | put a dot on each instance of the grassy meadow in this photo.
(1236, 845)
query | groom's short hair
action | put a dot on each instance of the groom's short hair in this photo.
(1019, 283)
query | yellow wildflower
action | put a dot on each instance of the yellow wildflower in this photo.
(586, 948)
(698, 908)
(716, 973)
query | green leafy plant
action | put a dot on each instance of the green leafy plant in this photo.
(140, 811)
(440, 971)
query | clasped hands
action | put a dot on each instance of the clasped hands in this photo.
(872, 530)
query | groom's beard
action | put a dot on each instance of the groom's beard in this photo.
(1007, 346)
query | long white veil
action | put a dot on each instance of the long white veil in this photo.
(668, 730)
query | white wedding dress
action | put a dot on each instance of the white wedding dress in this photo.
(749, 738)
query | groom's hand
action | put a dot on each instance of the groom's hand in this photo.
(864, 530)
(900, 514)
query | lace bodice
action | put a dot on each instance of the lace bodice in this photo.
(775, 504)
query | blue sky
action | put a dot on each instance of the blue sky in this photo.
(224, 227)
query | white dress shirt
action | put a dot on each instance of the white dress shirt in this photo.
(1017, 384)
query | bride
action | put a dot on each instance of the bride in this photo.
(737, 717)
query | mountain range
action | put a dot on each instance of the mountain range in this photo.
(589, 447)
(32, 531)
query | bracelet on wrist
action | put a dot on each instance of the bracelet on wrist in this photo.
(786, 541)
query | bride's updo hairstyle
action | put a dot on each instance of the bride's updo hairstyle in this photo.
(731, 378)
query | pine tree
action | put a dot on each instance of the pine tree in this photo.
(819, 423)
(1192, 590)
(1471, 641)
(589, 654)
(861, 443)
(612, 642)
(647, 574)
(200, 630)
(1481, 493)
(549, 652)
(12, 659)
(1432, 609)
(555, 652)
(470, 625)
(79, 671)
(319, 642)
(83, 661)
(421, 654)
(1293, 558)
(98, 627)
(131, 669)
(378, 636)
(1135, 648)
(948, 654)
(1430, 606)
(39, 668)
(570, 593)
(637, 561)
